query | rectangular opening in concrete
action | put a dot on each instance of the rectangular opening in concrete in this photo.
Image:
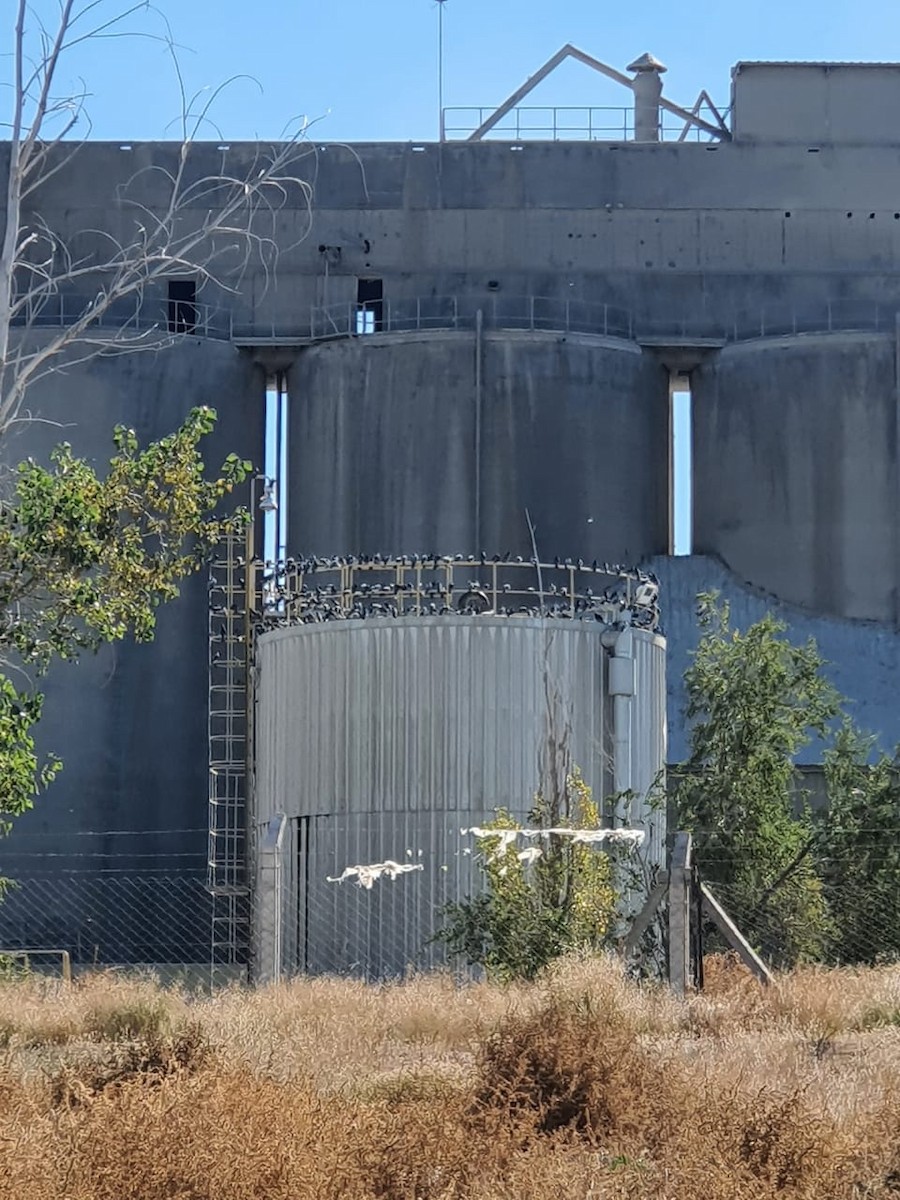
(369, 305)
(275, 522)
(682, 498)
(182, 309)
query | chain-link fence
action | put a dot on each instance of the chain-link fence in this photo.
(364, 895)
(821, 906)
(368, 897)
(161, 921)
(109, 898)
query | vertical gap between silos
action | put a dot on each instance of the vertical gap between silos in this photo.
(682, 498)
(276, 461)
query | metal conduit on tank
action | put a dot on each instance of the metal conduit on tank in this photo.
(795, 469)
(423, 440)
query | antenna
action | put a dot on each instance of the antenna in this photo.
(440, 4)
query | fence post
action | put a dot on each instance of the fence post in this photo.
(680, 914)
(268, 918)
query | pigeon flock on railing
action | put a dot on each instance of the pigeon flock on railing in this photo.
(368, 587)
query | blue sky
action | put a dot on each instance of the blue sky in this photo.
(367, 69)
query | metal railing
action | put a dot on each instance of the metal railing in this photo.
(611, 123)
(416, 314)
(499, 311)
(594, 123)
(24, 959)
(316, 590)
(776, 320)
(136, 314)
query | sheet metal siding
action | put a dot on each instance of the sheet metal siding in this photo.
(380, 741)
(648, 737)
(445, 713)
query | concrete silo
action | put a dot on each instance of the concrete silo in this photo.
(381, 737)
(113, 857)
(795, 469)
(407, 443)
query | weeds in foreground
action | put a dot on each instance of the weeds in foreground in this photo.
(578, 1085)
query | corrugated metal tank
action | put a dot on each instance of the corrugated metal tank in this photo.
(795, 469)
(382, 739)
(417, 442)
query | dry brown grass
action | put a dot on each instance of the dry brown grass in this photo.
(582, 1085)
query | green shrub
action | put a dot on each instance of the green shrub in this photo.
(535, 911)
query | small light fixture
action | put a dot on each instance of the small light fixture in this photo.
(268, 502)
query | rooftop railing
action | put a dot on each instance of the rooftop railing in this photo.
(604, 123)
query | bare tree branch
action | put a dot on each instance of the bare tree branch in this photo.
(98, 297)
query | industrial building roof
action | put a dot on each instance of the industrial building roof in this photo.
(807, 63)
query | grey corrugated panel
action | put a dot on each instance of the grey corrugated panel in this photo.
(390, 928)
(648, 746)
(445, 711)
(382, 739)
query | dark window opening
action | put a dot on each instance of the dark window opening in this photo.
(369, 305)
(182, 306)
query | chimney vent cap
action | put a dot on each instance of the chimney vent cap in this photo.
(647, 62)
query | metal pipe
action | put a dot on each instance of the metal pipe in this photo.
(621, 688)
(441, 4)
(479, 387)
(281, 512)
(896, 451)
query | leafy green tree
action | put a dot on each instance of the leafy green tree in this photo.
(857, 849)
(87, 558)
(755, 700)
(536, 907)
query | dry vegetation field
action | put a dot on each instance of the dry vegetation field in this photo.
(580, 1086)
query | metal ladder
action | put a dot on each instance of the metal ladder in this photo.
(228, 731)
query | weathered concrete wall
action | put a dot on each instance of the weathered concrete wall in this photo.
(673, 231)
(812, 103)
(863, 657)
(130, 722)
(427, 443)
(795, 469)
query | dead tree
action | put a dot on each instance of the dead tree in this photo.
(212, 225)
